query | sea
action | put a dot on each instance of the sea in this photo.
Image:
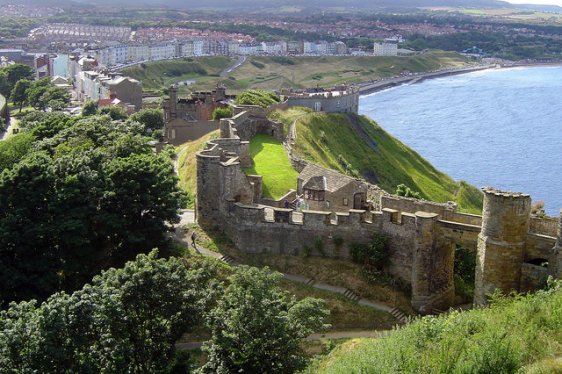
(497, 127)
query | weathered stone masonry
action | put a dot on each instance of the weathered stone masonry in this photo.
(423, 235)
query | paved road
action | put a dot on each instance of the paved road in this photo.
(11, 123)
(226, 72)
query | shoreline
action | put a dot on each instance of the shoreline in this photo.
(367, 88)
(381, 85)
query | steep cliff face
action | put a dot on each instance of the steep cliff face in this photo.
(356, 145)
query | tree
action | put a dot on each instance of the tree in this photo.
(14, 148)
(126, 320)
(45, 125)
(91, 196)
(89, 108)
(19, 92)
(115, 112)
(257, 328)
(17, 72)
(36, 90)
(152, 119)
(5, 86)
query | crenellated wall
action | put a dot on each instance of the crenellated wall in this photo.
(422, 235)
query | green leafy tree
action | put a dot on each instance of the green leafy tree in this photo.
(257, 328)
(14, 148)
(17, 72)
(98, 195)
(90, 108)
(19, 92)
(36, 90)
(45, 125)
(152, 119)
(5, 86)
(126, 321)
(115, 112)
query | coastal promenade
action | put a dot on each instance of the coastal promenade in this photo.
(375, 86)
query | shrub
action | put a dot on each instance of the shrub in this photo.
(374, 255)
(403, 190)
(225, 112)
(257, 97)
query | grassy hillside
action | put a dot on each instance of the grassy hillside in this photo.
(349, 143)
(272, 163)
(521, 335)
(161, 74)
(187, 164)
(276, 72)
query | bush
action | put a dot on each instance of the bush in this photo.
(403, 190)
(259, 65)
(374, 255)
(257, 97)
(225, 112)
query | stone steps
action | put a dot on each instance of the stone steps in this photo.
(351, 295)
(226, 258)
(399, 315)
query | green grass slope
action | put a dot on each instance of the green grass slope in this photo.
(161, 74)
(272, 163)
(301, 72)
(270, 73)
(187, 164)
(522, 335)
(380, 158)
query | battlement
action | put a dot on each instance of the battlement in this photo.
(422, 235)
(505, 194)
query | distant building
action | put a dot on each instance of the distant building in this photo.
(387, 48)
(343, 99)
(126, 89)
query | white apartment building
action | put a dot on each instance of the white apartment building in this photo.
(187, 49)
(200, 47)
(386, 48)
(139, 52)
(162, 51)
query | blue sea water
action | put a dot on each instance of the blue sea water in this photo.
(499, 128)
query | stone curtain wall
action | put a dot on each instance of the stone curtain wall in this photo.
(421, 243)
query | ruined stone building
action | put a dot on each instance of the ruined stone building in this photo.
(191, 117)
(515, 251)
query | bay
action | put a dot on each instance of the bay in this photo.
(499, 128)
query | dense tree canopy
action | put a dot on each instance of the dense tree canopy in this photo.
(126, 321)
(257, 328)
(89, 197)
(152, 119)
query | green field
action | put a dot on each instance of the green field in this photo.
(520, 335)
(377, 156)
(160, 75)
(278, 72)
(272, 163)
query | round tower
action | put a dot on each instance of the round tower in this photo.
(501, 242)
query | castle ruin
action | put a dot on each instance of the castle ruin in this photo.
(515, 251)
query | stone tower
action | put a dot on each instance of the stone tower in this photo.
(501, 243)
(432, 267)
